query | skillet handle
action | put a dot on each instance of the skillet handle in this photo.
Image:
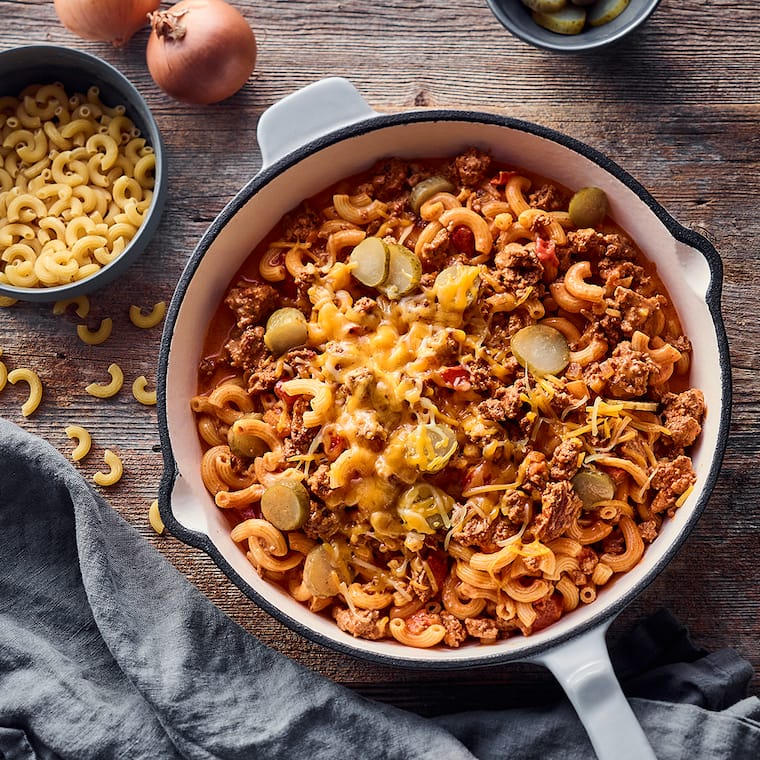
(582, 667)
(307, 114)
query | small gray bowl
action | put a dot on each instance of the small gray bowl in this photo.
(516, 18)
(78, 71)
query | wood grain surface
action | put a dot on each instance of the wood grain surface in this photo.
(677, 104)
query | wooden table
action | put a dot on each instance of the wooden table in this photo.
(677, 105)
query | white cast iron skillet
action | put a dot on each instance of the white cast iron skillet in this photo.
(327, 132)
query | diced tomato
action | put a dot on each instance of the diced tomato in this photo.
(282, 395)
(479, 475)
(439, 566)
(463, 239)
(249, 512)
(547, 255)
(336, 445)
(502, 178)
(457, 378)
(616, 474)
(546, 251)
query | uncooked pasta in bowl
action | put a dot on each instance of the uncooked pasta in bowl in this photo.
(81, 173)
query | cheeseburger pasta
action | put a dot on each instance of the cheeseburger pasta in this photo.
(447, 401)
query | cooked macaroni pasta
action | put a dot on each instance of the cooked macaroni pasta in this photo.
(447, 416)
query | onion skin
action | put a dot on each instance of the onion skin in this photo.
(114, 21)
(200, 51)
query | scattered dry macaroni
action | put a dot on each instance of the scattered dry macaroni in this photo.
(35, 388)
(76, 182)
(140, 392)
(98, 336)
(82, 306)
(151, 319)
(154, 517)
(115, 472)
(111, 388)
(83, 439)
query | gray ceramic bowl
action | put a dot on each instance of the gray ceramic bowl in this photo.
(78, 71)
(515, 17)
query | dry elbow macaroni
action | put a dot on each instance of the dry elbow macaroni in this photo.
(154, 517)
(141, 393)
(82, 304)
(95, 337)
(109, 389)
(114, 473)
(35, 388)
(76, 182)
(83, 439)
(151, 319)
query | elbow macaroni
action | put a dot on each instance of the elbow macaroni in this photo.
(69, 170)
(83, 441)
(32, 379)
(111, 388)
(436, 472)
(115, 471)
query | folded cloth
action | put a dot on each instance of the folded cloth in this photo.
(106, 651)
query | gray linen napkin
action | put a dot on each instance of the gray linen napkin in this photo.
(106, 651)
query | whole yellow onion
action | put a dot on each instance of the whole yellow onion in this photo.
(112, 21)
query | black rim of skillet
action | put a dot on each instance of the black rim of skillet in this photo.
(484, 656)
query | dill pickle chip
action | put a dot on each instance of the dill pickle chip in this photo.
(542, 349)
(404, 272)
(286, 504)
(605, 11)
(242, 442)
(286, 328)
(426, 189)
(370, 260)
(568, 20)
(593, 486)
(588, 207)
(319, 575)
(430, 447)
(545, 6)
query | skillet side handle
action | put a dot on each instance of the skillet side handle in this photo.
(582, 667)
(307, 114)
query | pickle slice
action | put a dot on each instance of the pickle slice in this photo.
(430, 447)
(604, 11)
(286, 504)
(568, 20)
(319, 576)
(541, 349)
(426, 189)
(593, 486)
(286, 328)
(404, 272)
(588, 207)
(370, 260)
